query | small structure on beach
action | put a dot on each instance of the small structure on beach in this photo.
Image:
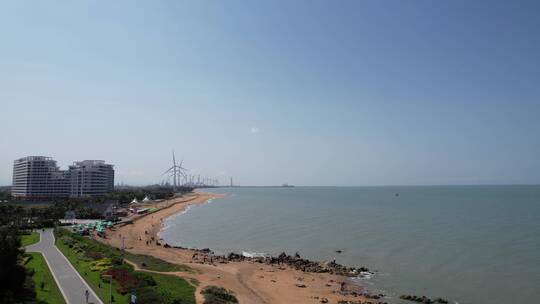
(146, 199)
(134, 201)
(142, 211)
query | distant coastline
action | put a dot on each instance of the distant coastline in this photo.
(252, 281)
(389, 233)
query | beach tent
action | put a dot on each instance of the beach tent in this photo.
(134, 201)
(146, 199)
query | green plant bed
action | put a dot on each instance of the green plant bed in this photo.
(29, 239)
(97, 249)
(92, 259)
(45, 286)
(218, 295)
(174, 289)
(93, 278)
(151, 263)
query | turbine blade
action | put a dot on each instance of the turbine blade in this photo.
(168, 170)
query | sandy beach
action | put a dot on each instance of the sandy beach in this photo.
(251, 282)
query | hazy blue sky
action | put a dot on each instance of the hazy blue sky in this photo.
(304, 92)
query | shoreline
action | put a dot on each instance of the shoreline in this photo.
(253, 280)
(182, 212)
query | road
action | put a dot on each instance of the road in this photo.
(71, 284)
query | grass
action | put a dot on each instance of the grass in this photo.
(168, 287)
(151, 263)
(42, 276)
(215, 294)
(172, 287)
(194, 282)
(143, 261)
(29, 239)
(91, 277)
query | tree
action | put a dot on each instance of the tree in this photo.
(12, 274)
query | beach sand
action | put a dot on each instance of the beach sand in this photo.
(251, 282)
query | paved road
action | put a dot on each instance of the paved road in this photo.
(72, 286)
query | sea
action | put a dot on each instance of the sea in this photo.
(468, 244)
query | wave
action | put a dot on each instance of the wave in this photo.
(248, 254)
(168, 222)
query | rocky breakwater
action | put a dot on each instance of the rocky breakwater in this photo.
(298, 263)
(423, 299)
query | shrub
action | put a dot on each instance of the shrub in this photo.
(218, 295)
(100, 265)
(146, 278)
(117, 261)
(95, 255)
(127, 280)
(31, 271)
(27, 258)
(67, 241)
(148, 295)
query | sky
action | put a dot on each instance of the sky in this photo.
(302, 92)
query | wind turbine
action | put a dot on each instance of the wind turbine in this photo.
(176, 171)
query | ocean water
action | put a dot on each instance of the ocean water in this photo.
(469, 244)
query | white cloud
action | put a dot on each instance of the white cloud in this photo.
(254, 130)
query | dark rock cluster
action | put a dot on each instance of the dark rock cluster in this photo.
(358, 302)
(348, 289)
(423, 299)
(299, 263)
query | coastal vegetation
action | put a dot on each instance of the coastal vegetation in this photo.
(15, 284)
(96, 261)
(42, 216)
(29, 238)
(5, 193)
(126, 193)
(44, 284)
(154, 264)
(31, 215)
(218, 295)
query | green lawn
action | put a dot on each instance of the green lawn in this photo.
(173, 287)
(168, 287)
(42, 276)
(151, 263)
(93, 278)
(29, 239)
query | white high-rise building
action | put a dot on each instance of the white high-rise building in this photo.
(91, 178)
(38, 177)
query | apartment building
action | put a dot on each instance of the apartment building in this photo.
(91, 178)
(39, 177)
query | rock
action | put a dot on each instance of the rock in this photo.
(423, 299)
